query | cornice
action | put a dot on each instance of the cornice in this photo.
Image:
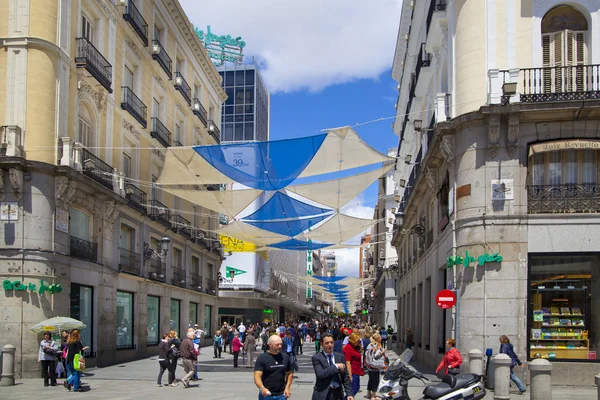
(30, 41)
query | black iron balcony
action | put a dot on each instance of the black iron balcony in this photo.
(584, 198)
(160, 132)
(161, 213)
(137, 21)
(435, 5)
(211, 287)
(195, 282)
(93, 61)
(183, 87)
(181, 225)
(214, 131)
(134, 106)
(424, 56)
(129, 262)
(157, 270)
(83, 249)
(578, 82)
(179, 277)
(160, 55)
(440, 5)
(200, 111)
(97, 169)
(136, 198)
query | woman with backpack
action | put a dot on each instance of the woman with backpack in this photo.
(507, 348)
(218, 344)
(173, 355)
(375, 362)
(163, 360)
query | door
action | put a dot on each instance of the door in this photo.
(564, 55)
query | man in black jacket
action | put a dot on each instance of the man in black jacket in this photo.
(330, 368)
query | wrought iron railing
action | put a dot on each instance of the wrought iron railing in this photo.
(200, 111)
(93, 61)
(80, 248)
(211, 287)
(179, 225)
(179, 277)
(195, 282)
(448, 106)
(134, 106)
(137, 21)
(583, 198)
(424, 56)
(160, 54)
(97, 169)
(183, 87)
(136, 197)
(129, 262)
(440, 5)
(577, 82)
(159, 212)
(434, 5)
(160, 132)
(214, 130)
(157, 270)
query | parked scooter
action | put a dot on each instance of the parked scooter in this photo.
(394, 384)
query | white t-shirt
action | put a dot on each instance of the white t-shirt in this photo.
(241, 328)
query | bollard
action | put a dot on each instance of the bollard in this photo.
(597, 379)
(502, 364)
(476, 362)
(8, 365)
(540, 371)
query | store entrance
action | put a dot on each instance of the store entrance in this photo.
(231, 319)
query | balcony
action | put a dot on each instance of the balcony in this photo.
(214, 131)
(134, 106)
(129, 262)
(183, 87)
(211, 287)
(97, 169)
(93, 61)
(584, 198)
(160, 133)
(136, 198)
(200, 112)
(157, 271)
(80, 248)
(159, 212)
(10, 141)
(160, 55)
(424, 57)
(195, 282)
(179, 277)
(181, 225)
(138, 23)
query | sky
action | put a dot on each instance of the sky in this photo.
(326, 63)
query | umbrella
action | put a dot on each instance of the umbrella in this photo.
(58, 324)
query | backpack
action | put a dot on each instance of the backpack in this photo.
(371, 362)
(174, 352)
(265, 339)
(383, 334)
(218, 341)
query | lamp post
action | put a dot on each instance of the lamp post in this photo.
(163, 248)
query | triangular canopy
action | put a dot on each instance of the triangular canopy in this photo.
(281, 206)
(289, 227)
(249, 233)
(295, 244)
(339, 228)
(228, 202)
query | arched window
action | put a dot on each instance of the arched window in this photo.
(564, 31)
(85, 131)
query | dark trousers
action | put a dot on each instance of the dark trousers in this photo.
(49, 372)
(217, 350)
(172, 368)
(164, 365)
(373, 383)
(236, 355)
(335, 394)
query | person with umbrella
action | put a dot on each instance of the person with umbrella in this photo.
(47, 356)
(74, 346)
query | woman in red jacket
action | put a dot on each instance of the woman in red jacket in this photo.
(451, 360)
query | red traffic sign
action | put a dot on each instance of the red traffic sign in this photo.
(445, 299)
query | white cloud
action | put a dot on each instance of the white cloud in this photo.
(308, 44)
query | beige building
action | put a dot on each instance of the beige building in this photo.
(94, 92)
(497, 171)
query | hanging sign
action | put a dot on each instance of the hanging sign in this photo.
(236, 245)
(222, 49)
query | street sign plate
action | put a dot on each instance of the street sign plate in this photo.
(445, 299)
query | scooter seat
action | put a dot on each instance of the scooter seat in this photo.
(437, 391)
(464, 380)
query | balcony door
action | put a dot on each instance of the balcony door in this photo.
(87, 28)
(79, 224)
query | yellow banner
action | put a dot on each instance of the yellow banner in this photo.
(236, 245)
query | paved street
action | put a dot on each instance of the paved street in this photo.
(219, 380)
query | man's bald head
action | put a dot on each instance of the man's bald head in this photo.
(275, 344)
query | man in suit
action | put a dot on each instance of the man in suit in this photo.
(330, 368)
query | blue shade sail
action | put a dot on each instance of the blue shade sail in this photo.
(295, 244)
(288, 228)
(263, 165)
(330, 278)
(281, 206)
(332, 287)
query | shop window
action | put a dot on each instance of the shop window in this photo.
(564, 167)
(82, 309)
(124, 320)
(208, 320)
(563, 306)
(175, 315)
(193, 317)
(152, 320)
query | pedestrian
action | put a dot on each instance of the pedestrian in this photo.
(74, 346)
(242, 330)
(317, 341)
(384, 336)
(236, 345)
(173, 355)
(375, 362)
(163, 360)
(250, 347)
(409, 338)
(332, 376)
(507, 348)
(198, 336)
(273, 373)
(188, 357)
(288, 347)
(230, 338)
(353, 353)
(452, 359)
(64, 342)
(47, 354)
(217, 344)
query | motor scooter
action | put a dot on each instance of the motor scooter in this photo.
(394, 383)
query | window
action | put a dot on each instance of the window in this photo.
(196, 265)
(210, 270)
(82, 307)
(79, 224)
(127, 238)
(127, 165)
(177, 136)
(85, 133)
(124, 320)
(87, 28)
(152, 320)
(155, 108)
(193, 319)
(157, 33)
(444, 202)
(564, 167)
(177, 257)
(208, 319)
(154, 191)
(198, 92)
(128, 78)
(179, 66)
(175, 310)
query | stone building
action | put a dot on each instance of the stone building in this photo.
(498, 168)
(94, 93)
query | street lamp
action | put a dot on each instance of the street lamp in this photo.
(163, 248)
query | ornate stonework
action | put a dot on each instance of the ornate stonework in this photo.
(109, 213)
(133, 48)
(180, 108)
(1, 184)
(85, 87)
(64, 192)
(512, 139)
(430, 178)
(493, 135)
(447, 148)
(109, 8)
(130, 128)
(160, 82)
(158, 153)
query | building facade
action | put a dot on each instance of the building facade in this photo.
(94, 93)
(498, 165)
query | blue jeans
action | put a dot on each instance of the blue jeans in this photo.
(73, 377)
(355, 384)
(261, 397)
(516, 380)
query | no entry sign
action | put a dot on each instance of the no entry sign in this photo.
(445, 299)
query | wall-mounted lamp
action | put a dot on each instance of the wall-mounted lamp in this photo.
(418, 229)
(509, 89)
(163, 248)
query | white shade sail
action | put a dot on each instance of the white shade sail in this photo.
(249, 233)
(184, 166)
(340, 228)
(228, 202)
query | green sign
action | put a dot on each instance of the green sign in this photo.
(21, 287)
(365, 312)
(269, 311)
(222, 49)
(467, 260)
(235, 271)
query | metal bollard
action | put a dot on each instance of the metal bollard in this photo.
(476, 362)
(8, 365)
(502, 363)
(540, 371)
(597, 379)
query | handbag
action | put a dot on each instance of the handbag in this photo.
(79, 362)
(50, 351)
(453, 371)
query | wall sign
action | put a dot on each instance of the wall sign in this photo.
(503, 189)
(62, 220)
(19, 286)
(222, 49)
(467, 260)
(9, 211)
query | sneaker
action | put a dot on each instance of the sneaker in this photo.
(159, 385)
(522, 391)
(185, 384)
(174, 384)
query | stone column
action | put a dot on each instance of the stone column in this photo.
(476, 362)
(540, 371)
(8, 365)
(597, 379)
(502, 364)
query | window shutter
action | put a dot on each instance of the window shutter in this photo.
(557, 61)
(546, 62)
(580, 71)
